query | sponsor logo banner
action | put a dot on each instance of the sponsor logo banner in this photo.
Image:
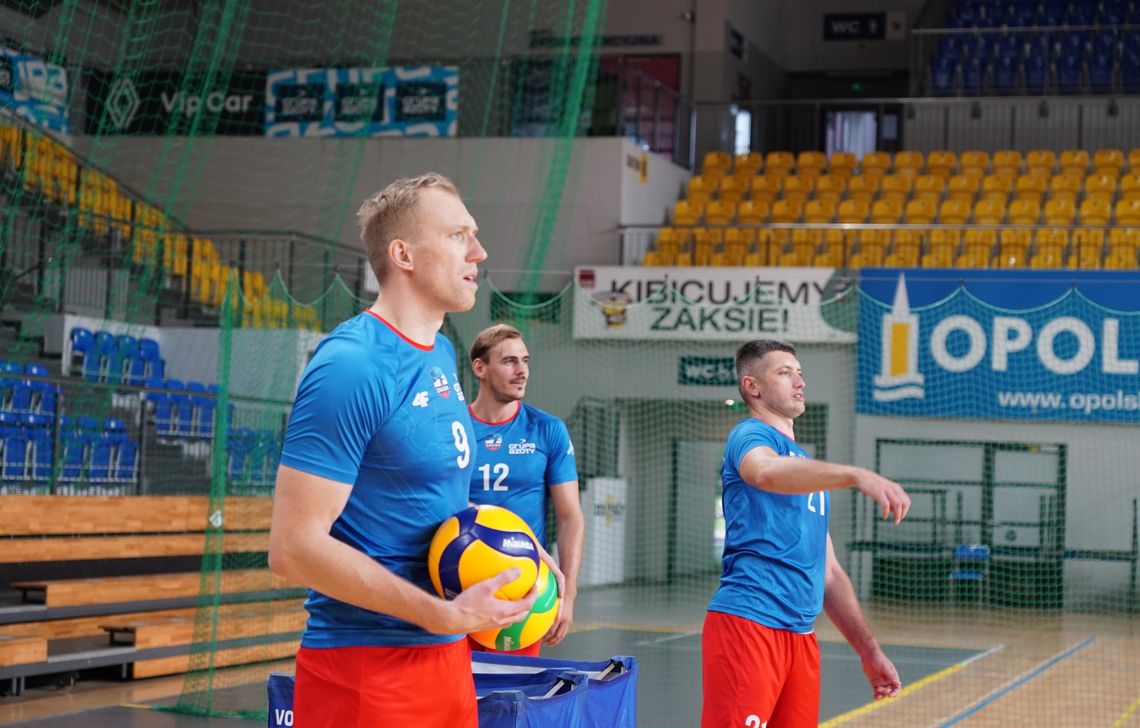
(935, 348)
(163, 102)
(362, 102)
(713, 304)
(34, 89)
(706, 371)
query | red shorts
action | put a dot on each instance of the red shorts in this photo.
(531, 651)
(364, 687)
(757, 676)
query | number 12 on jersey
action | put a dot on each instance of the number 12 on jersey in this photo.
(500, 471)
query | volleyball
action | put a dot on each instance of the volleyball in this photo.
(480, 542)
(534, 626)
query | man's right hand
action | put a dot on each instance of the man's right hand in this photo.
(477, 608)
(890, 496)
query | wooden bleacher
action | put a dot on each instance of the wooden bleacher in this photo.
(142, 622)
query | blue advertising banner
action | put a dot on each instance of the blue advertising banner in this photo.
(362, 102)
(1010, 345)
(34, 89)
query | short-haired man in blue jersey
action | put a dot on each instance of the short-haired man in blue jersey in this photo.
(378, 452)
(760, 659)
(524, 456)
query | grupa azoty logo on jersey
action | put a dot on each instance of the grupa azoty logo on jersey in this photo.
(898, 376)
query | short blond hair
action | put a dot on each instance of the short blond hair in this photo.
(491, 337)
(390, 214)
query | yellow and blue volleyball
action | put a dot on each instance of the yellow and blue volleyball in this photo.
(480, 542)
(534, 626)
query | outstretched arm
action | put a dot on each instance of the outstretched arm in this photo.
(763, 468)
(302, 549)
(842, 607)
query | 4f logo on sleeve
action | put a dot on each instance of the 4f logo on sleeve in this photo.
(421, 399)
(439, 381)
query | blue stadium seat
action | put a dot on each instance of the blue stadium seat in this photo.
(1036, 74)
(74, 444)
(146, 363)
(128, 347)
(126, 469)
(206, 406)
(973, 75)
(166, 405)
(1004, 74)
(1101, 70)
(1069, 74)
(1130, 72)
(42, 440)
(188, 409)
(82, 343)
(1081, 14)
(942, 73)
(98, 358)
(13, 467)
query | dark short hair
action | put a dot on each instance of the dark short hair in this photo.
(755, 351)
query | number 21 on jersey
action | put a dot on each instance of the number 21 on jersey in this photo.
(822, 510)
(500, 472)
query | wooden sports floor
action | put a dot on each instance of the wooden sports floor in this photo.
(960, 666)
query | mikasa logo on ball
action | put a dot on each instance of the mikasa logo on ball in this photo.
(510, 542)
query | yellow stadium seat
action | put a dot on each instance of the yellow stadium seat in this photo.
(941, 163)
(1031, 186)
(920, 212)
(1052, 238)
(953, 212)
(1120, 259)
(716, 162)
(1085, 259)
(1060, 212)
(1007, 163)
(779, 163)
(1100, 185)
(829, 258)
(1130, 186)
(1134, 160)
(938, 258)
(765, 188)
(1128, 212)
(1041, 162)
(975, 160)
(700, 188)
(896, 187)
(997, 187)
(811, 163)
(929, 187)
(962, 187)
(1013, 251)
(686, 212)
(854, 211)
(909, 163)
(1109, 162)
(862, 187)
(753, 212)
(842, 164)
(988, 212)
(798, 188)
(945, 240)
(1022, 212)
(976, 240)
(1095, 211)
(876, 164)
(653, 258)
(706, 238)
(819, 211)
(885, 212)
(684, 259)
(748, 164)
(732, 188)
(796, 258)
(1064, 187)
(720, 212)
(1089, 239)
(786, 211)
(742, 238)
(1124, 238)
(830, 187)
(1075, 162)
(1049, 256)
(868, 256)
(904, 239)
(973, 258)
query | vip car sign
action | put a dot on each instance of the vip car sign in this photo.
(934, 347)
(162, 102)
(712, 304)
(382, 101)
(34, 89)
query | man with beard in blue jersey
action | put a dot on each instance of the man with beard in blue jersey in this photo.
(759, 656)
(378, 452)
(523, 456)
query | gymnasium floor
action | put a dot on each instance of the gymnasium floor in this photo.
(960, 668)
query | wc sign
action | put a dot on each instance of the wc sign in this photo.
(961, 356)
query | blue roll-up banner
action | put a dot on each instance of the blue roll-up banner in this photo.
(34, 90)
(280, 689)
(419, 101)
(1006, 345)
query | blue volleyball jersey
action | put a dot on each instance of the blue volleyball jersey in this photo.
(518, 459)
(386, 415)
(775, 545)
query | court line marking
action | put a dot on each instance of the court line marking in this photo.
(139, 706)
(666, 638)
(1017, 682)
(909, 689)
(626, 627)
(1123, 717)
